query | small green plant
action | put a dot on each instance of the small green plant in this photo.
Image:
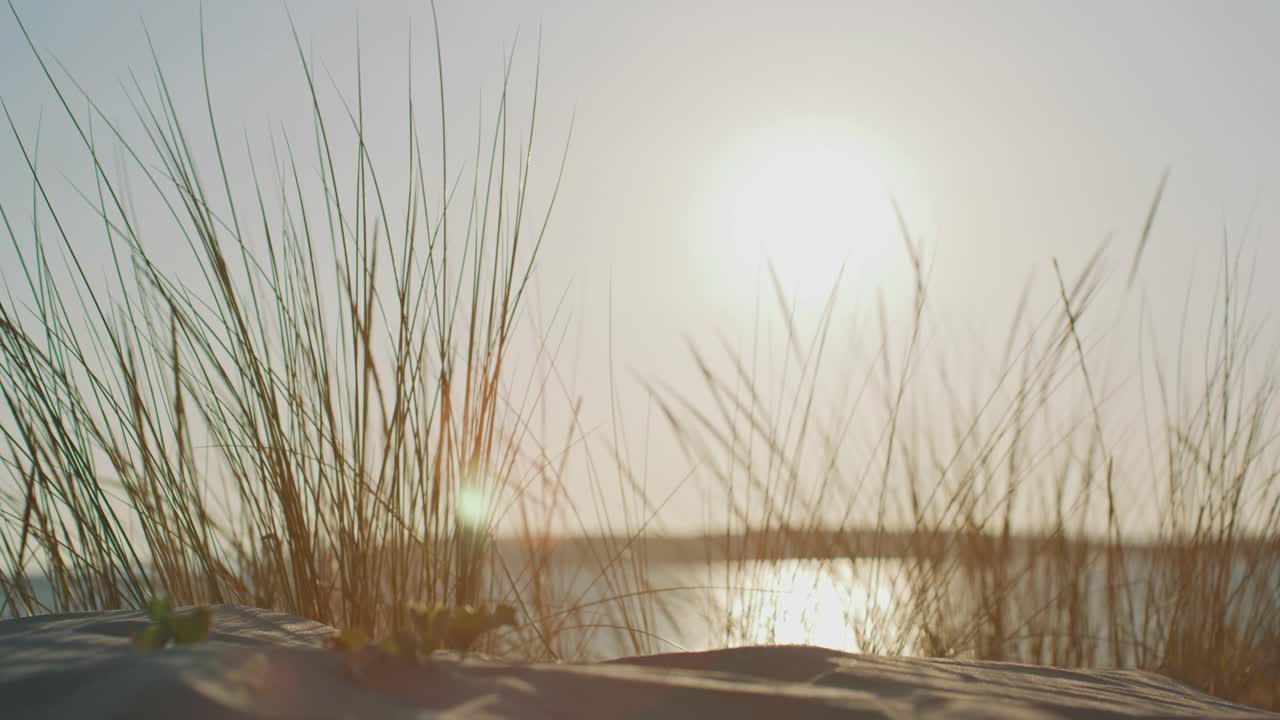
(431, 629)
(169, 626)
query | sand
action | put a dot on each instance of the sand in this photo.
(263, 664)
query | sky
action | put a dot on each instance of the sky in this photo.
(1010, 134)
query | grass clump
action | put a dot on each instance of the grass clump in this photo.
(318, 421)
(1008, 509)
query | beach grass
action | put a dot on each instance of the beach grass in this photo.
(323, 418)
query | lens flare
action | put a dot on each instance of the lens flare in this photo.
(472, 507)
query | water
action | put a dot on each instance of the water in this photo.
(868, 605)
(849, 605)
(840, 604)
(843, 604)
(862, 605)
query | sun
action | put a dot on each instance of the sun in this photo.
(809, 209)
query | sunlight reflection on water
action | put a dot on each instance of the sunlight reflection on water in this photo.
(842, 604)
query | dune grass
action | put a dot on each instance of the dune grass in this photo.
(1181, 577)
(324, 421)
(341, 377)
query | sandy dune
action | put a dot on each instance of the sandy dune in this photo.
(261, 664)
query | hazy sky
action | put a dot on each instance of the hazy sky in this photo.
(1011, 133)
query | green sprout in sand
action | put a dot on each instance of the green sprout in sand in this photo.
(431, 629)
(170, 626)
